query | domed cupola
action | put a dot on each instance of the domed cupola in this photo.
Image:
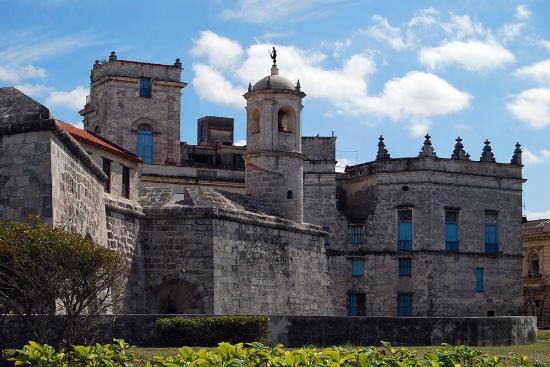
(274, 159)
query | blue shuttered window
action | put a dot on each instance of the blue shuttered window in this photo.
(404, 230)
(491, 233)
(405, 267)
(144, 148)
(357, 232)
(356, 304)
(404, 304)
(357, 267)
(145, 87)
(479, 280)
(451, 230)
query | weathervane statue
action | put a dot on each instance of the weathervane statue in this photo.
(273, 55)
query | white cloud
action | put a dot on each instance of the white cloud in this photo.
(15, 73)
(42, 47)
(411, 99)
(539, 72)
(271, 11)
(382, 30)
(33, 90)
(545, 44)
(531, 215)
(470, 55)
(240, 143)
(532, 106)
(74, 99)
(522, 12)
(220, 51)
(212, 86)
(510, 31)
(419, 96)
(342, 163)
(463, 27)
(530, 158)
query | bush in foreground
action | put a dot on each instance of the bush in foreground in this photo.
(258, 355)
(210, 331)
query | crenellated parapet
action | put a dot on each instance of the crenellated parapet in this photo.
(427, 160)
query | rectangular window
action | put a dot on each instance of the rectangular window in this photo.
(479, 279)
(404, 233)
(491, 233)
(125, 182)
(451, 230)
(107, 171)
(145, 87)
(357, 232)
(405, 267)
(357, 267)
(404, 304)
(356, 304)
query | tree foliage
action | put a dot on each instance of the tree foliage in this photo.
(56, 281)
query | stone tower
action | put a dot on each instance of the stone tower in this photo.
(136, 105)
(274, 159)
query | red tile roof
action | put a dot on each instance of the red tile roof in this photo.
(102, 143)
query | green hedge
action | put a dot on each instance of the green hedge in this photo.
(210, 331)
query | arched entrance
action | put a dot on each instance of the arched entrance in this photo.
(176, 296)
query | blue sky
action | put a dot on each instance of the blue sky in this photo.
(476, 69)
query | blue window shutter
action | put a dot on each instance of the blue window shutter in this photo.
(405, 235)
(479, 280)
(145, 87)
(144, 148)
(451, 236)
(404, 301)
(357, 268)
(405, 267)
(491, 241)
(352, 305)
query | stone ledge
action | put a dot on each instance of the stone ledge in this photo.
(123, 206)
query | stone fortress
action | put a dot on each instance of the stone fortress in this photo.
(270, 228)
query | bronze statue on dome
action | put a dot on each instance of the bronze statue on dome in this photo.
(273, 55)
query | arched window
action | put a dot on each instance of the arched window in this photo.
(286, 120)
(282, 119)
(254, 121)
(534, 265)
(144, 146)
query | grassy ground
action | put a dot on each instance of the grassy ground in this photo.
(539, 351)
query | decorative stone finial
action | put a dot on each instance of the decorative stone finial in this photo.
(177, 63)
(298, 85)
(516, 158)
(487, 154)
(427, 149)
(274, 70)
(459, 153)
(113, 56)
(250, 87)
(273, 55)
(382, 154)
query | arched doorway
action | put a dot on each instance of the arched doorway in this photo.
(176, 296)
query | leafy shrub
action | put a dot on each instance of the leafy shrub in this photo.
(259, 355)
(108, 355)
(210, 331)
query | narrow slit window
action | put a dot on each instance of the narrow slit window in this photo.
(289, 194)
(107, 171)
(491, 232)
(125, 182)
(451, 230)
(479, 280)
(405, 230)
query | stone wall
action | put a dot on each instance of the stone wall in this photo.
(298, 331)
(263, 270)
(25, 176)
(77, 194)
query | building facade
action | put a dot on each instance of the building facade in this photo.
(270, 227)
(536, 270)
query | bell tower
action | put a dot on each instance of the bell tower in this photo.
(274, 159)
